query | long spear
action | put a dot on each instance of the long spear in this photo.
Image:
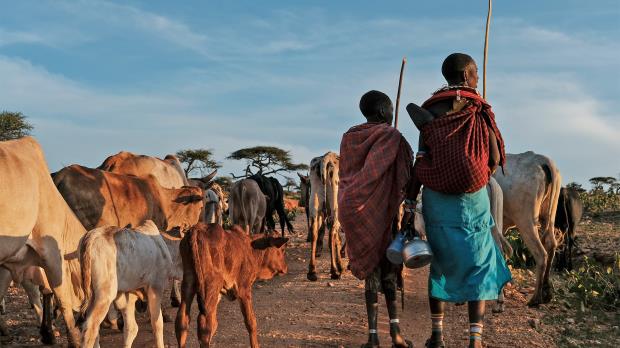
(486, 51)
(400, 85)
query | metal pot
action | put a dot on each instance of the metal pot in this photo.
(394, 252)
(417, 253)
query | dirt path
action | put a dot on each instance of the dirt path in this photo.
(293, 312)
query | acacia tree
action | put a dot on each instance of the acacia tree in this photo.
(599, 181)
(290, 184)
(13, 125)
(265, 160)
(199, 160)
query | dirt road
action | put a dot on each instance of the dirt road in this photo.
(293, 312)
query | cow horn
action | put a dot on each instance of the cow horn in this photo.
(209, 177)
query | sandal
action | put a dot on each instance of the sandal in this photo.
(434, 344)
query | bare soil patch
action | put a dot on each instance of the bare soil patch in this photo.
(293, 312)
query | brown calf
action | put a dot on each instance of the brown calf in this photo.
(218, 262)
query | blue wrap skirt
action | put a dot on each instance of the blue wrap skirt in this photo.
(467, 265)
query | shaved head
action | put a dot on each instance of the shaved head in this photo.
(455, 66)
(376, 107)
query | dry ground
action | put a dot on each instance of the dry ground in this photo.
(293, 312)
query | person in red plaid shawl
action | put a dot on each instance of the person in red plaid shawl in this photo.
(460, 147)
(375, 167)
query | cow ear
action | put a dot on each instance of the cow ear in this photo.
(261, 243)
(277, 242)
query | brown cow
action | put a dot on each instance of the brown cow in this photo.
(168, 171)
(247, 205)
(101, 198)
(218, 262)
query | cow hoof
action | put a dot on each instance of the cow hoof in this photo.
(4, 331)
(174, 302)
(534, 302)
(47, 337)
(167, 318)
(335, 276)
(498, 308)
(547, 293)
(312, 277)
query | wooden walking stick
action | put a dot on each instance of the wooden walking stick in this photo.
(486, 51)
(400, 85)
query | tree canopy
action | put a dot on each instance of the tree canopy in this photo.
(197, 160)
(265, 160)
(13, 125)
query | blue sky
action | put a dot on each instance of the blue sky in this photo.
(153, 77)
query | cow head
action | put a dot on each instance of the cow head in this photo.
(271, 258)
(186, 207)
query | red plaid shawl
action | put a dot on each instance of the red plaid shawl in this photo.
(459, 146)
(375, 167)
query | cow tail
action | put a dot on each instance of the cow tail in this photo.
(85, 256)
(554, 185)
(243, 212)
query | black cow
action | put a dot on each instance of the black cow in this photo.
(272, 188)
(567, 218)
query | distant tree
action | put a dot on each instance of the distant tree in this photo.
(290, 184)
(599, 181)
(575, 187)
(265, 160)
(200, 160)
(224, 181)
(13, 125)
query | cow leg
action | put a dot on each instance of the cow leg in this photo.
(207, 318)
(245, 302)
(175, 294)
(34, 297)
(181, 324)
(95, 314)
(334, 246)
(550, 246)
(312, 267)
(529, 234)
(157, 322)
(571, 241)
(46, 330)
(57, 272)
(126, 303)
(321, 237)
(5, 282)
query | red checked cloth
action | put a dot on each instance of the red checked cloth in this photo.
(458, 160)
(375, 167)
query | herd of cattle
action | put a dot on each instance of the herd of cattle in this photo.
(95, 241)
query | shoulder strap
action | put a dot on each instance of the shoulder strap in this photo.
(453, 93)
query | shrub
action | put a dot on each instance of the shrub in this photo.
(521, 256)
(596, 286)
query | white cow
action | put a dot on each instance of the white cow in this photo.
(531, 186)
(323, 211)
(119, 265)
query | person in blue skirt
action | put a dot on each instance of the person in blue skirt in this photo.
(462, 148)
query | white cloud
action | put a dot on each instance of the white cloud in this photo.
(8, 37)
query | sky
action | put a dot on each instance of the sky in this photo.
(155, 77)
